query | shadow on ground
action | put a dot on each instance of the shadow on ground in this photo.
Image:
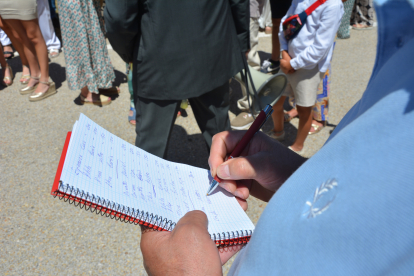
(187, 149)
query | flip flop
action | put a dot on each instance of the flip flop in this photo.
(104, 100)
(133, 117)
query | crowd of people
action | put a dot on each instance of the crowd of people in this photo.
(29, 30)
(176, 51)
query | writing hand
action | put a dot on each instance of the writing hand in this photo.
(260, 170)
(187, 250)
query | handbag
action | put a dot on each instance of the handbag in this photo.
(294, 23)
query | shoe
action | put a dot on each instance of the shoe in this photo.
(360, 27)
(54, 53)
(29, 89)
(103, 100)
(25, 78)
(287, 118)
(8, 78)
(280, 137)
(133, 117)
(298, 152)
(317, 129)
(270, 67)
(34, 97)
(242, 121)
(11, 53)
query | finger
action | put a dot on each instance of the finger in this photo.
(222, 144)
(242, 202)
(235, 188)
(197, 219)
(244, 167)
(227, 252)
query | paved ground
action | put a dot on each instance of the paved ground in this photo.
(41, 235)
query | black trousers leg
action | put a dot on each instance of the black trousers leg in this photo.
(211, 111)
(155, 119)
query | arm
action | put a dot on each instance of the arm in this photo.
(240, 10)
(283, 42)
(324, 37)
(122, 21)
(262, 168)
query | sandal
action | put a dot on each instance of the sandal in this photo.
(34, 97)
(301, 152)
(29, 89)
(133, 117)
(278, 135)
(25, 78)
(8, 78)
(361, 27)
(317, 128)
(287, 118)
(11, 53)
(103, 100)
(54, 53)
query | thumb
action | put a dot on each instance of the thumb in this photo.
(240, 167)
(195, 218)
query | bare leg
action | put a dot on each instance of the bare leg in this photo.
(15, 39)
(5, 67)
(28, 48)
(7, 48)
(35, 35)
(277, 115)
(275, 39)
(305, 122)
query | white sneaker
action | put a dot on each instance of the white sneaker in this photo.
(242, 121)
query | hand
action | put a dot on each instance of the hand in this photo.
(286, 66)
(187, 250)
(260, 170)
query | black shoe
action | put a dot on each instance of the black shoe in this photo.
(270, 67)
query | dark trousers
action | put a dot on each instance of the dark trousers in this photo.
(155, 118)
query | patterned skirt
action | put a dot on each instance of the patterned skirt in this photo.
(86, 55)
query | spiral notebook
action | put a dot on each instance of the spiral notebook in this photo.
(102, 173)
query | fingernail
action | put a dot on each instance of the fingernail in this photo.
(223, 171)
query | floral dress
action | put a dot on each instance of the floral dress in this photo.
(86, 55)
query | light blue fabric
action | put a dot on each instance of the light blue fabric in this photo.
(368, 226)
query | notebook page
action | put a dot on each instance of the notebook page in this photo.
(103, 165)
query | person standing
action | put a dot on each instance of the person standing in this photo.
(305, 59)
(279, 9)
(180, 50)
(46, 26)
(21, 16)
(88, 66)
(362, 17)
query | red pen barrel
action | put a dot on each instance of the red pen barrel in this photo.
(249, 135)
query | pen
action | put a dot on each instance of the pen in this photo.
(254, 128)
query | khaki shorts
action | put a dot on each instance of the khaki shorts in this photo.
(303, 85)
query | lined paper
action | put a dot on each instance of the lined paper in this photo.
(102, 164)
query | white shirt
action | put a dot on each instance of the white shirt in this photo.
(314, 43)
